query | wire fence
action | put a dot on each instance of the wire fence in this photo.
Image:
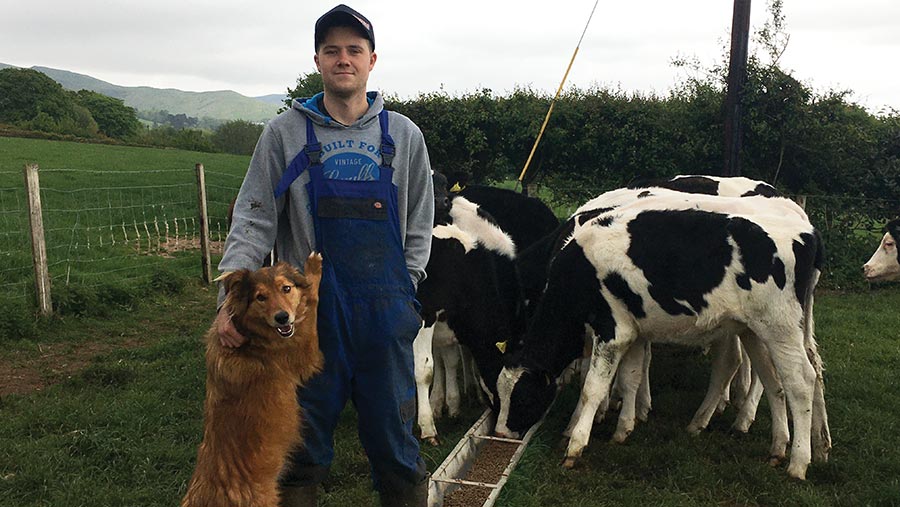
(108, 228)
(15, 252)
(221, 189)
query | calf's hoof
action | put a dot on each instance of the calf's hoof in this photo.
(797, 472)
(695, 429)
(432, 441)
(569, 463)
(643, 415)
(774, 461)
(741, 427)
(620, 437)
(821, 445)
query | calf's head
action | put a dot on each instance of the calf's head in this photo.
(885, 262)
(524, 396)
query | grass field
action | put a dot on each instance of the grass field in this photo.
(122, 427)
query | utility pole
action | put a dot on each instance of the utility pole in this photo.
(737, 76)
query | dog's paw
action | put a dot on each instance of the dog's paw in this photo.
(313, 264)
(312, 271)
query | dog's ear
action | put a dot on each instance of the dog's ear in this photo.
(292, 274)
(233, 280)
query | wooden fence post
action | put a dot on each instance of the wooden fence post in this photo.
(38, 246)
(204, 225)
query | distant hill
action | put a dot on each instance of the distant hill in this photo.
(276, 99)
(220, 105)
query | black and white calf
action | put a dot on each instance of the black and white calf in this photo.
(885, 262)
(731, 380)
(471, 294)
(485, 220)
(682, 270)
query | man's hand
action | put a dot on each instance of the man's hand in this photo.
(228, 334)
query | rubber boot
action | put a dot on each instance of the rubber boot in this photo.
(299, 496)
(416, 496)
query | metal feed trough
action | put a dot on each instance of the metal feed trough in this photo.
(450, 475)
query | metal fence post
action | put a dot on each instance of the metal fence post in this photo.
(38, 245)
(204, 225)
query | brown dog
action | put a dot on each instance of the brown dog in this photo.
(251, 415)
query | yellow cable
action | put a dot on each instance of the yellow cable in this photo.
(558, 91)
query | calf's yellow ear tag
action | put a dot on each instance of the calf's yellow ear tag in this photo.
(501, 346)
(456, 188)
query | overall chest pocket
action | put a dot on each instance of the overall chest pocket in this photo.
(361, 208)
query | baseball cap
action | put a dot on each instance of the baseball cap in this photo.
(340, 16)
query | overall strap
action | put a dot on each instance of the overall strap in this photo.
(313, 148)
(311, 155)
(387, 142)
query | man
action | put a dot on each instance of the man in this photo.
(340, 175)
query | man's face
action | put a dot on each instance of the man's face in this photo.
(344, 60)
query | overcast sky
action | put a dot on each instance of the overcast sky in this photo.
(260, 47)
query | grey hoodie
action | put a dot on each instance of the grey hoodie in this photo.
(259, 219)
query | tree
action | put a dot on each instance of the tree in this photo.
(308, 84)
(164, 118)
(33, 100)
(237, 137)
(25, 93)
(77, 121)
(113, 117)
(182, 121)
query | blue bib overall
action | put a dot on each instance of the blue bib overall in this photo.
(367, 323)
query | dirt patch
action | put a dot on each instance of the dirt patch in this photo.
(29, 371)
(28, 367)
(19, 380)
(170, 246)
